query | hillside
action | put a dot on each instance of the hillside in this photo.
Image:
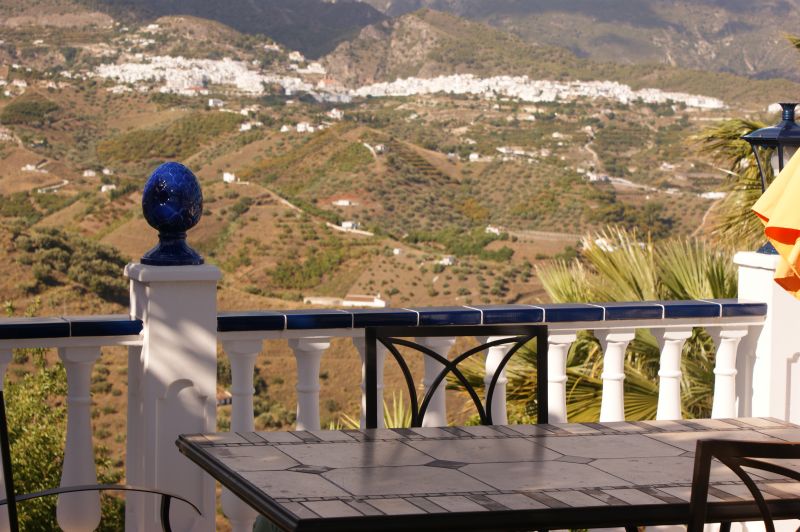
(429, 43)
(734, 36)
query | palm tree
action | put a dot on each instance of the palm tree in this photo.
(723, 142)
(615, 266)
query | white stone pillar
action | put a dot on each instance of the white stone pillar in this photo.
(727, 341)
(307, 353)
(436, 414)
(614, 344)
(79, 511)
(178, 380)
(494, 357)
(775, 382)
(557, 352)
(5, 359)
(360, 344)
(670, 342)
(242, 356)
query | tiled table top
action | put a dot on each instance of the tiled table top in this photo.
(486, 477)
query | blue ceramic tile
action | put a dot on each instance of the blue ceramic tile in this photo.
(690, 309)
(250, 321)
(736, 307)
(632, 310)
(22, 328)
(373, 317)
(117, 325)
(495, 314)
(572, 312)
(448, 316)
(318, 319)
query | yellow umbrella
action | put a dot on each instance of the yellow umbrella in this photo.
(779, 209)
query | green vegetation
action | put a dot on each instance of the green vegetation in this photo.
(461, 243)
(177, 140)
(33, 110)
(57, 257)
(288, 274)
(351, 159)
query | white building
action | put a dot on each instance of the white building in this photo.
(89, 173)
(342, 203)
(215, 103)
(355, 300)
(493, 230)
(349, 225)
(107, 188)
(474, 157)
(304, 127)
(447, 260)
(335, 114)
(228, 177)
(285, 128)
(108, 171)
(296, 57)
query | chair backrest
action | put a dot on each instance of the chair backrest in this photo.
(394, 337)
(735, 455)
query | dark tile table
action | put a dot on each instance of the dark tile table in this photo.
(514, 477)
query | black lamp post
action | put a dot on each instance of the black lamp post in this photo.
(784, 140)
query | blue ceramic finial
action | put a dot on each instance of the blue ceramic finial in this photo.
(172, 202)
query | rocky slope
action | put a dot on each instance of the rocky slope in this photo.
(729, 36)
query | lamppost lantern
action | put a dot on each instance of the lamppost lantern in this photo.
(783, 140)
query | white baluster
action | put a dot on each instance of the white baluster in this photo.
(558, 350)
(242, 355)
(79, 511)
(307, 353)
(670, 341)
(361, 347)
(5, 359)
(494, 357)
(436, 414)
(134, 460)
(727, 340)
(614, 344)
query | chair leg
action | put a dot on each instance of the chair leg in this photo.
(725, 526)
(165, 502)
(631, 528)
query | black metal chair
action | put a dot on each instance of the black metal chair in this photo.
(735, 455)
(391, 338)
(12, 499)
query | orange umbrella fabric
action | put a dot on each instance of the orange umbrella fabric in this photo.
(779, 209)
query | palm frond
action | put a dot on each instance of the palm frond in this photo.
(723, 142)
(625, 264)
(689, 269)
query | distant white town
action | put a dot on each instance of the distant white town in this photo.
(194, 76)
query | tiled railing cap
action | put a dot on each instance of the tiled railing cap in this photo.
(68, 326)
(486, 314)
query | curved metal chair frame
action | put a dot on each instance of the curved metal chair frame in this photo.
(517, 335)
(735, 455)
(11, 499)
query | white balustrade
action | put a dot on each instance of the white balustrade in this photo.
(494, 357)
(436, 414)
(614, 343)
(727, 341)
(670, 341)
(360, 344)
(307, 353)
(557, 352)
(242, 356)
(78, 512)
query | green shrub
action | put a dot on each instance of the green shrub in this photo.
(33, 110)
